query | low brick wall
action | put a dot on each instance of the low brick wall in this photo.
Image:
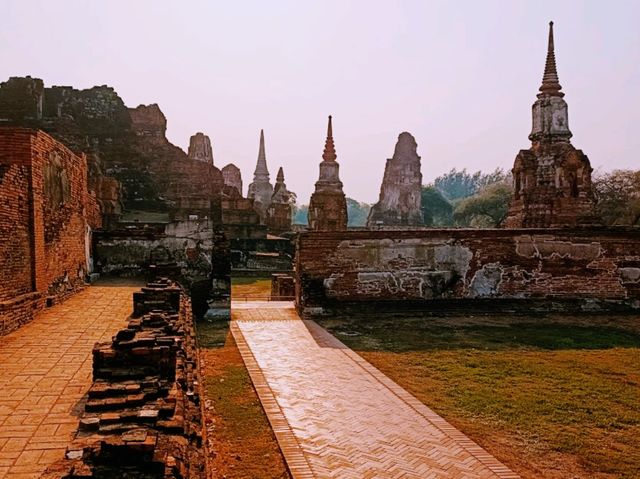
(143, 418)
(592, 267)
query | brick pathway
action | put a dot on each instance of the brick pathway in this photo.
(336, 416)
(45, 370)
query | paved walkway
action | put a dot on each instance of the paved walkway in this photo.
(45, 370)
(336, 416)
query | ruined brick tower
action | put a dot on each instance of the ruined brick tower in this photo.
(200, 148)
(552, 179)
(401, 189)
(279, 214)
(261, 190)
(232, 177)
(328, 205)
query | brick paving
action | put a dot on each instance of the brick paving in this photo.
(336, 416)
(45, 370)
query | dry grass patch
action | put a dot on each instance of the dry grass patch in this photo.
(247, 288)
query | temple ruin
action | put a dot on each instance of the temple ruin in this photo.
(280, 211)
(200, 148)
(552, 179)
(328, 204)
(232, 176)
(401, 189)
(261, 189)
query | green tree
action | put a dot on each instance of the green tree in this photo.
(486, 209)
(436, 209)
(357, 212)
(301, 215)
(618, 197)
(456, 184)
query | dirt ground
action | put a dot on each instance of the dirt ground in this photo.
(238, 430)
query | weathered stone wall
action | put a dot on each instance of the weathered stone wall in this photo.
(422, 265)
(261, 255)
(193, 252)
(45, 219)
(130, 252)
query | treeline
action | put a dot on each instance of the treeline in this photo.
(481, 200)
(460, 198)
(356, 211)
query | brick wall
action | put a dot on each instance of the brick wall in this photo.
(59, 180)
(15, 226)
(43, 228)
(422, 267)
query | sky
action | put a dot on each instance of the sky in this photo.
(459, 75)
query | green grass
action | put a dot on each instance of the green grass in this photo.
(433, 334)
(212, 334)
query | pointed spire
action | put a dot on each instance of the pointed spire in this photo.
(550, 82)
(280, 176)
(329, 148)
(261, 153)
(261, 165)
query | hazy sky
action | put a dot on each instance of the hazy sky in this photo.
(459, 75)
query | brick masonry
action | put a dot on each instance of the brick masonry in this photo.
(46, 217)
(424, 267)
(142, 417)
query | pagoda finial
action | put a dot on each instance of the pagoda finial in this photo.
(329, 148)
(280, 175)
(261, 165)
(261, 153)
(550, 82)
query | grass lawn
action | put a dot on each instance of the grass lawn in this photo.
(249, 287)
(555, 397)
(242, 439)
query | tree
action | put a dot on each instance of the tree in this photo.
(357, 212)
(618, 197)
(486, 209)
(461, 184)
(436, 209)
(301, 215)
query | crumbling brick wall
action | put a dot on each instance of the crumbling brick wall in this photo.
(143, 417)
(425, 266)
(43, 223)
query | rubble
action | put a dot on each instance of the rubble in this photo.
(142, 417)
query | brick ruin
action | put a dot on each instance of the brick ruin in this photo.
(552, 179)
(401, 189)
(47, 217)
(261, 189)
(130, 165)
(232, 177)
(239, 217)
(591, 269)
(280, 211)
(208, 226)
(283, 287)
(143, 417)
(200, 148)
(328, 204)
(127, 145)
